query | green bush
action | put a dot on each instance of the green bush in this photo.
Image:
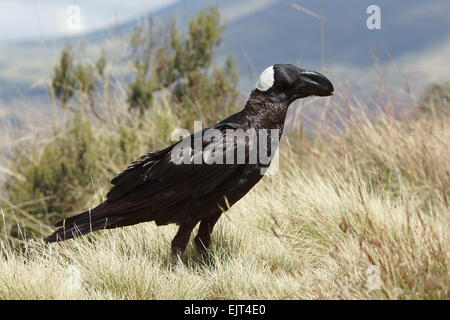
(183, 64)
(61, 177)
(58, 176)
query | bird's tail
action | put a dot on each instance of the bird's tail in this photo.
(82, 224)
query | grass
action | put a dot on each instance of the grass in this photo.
(363, 214)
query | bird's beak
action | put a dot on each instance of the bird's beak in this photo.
(316, 84)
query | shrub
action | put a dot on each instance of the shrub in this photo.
(58, 176)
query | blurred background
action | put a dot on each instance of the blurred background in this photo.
(413, 43)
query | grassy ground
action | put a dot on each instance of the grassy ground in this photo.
(358, 215)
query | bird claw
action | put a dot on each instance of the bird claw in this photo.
(177, 260)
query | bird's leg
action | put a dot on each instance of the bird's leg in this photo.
(180, 241)
(203, 238)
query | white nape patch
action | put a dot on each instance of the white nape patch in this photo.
(266, 79)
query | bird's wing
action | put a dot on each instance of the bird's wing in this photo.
(135, 174)
(181, 168)
(158, 186)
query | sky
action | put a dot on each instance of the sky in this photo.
(37, 19)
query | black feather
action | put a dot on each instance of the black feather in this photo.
(157, 188)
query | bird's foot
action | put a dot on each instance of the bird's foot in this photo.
(176, 255)
(202, 245)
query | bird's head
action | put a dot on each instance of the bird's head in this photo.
(286, 83)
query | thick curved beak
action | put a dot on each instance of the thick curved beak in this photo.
(317, 83)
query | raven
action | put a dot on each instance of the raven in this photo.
(179, 185)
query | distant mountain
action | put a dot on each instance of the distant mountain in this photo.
(260, 33)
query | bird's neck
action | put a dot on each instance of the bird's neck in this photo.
(265, 114)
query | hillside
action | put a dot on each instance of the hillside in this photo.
(261, 33)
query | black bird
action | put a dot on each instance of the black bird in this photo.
(178, 184)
